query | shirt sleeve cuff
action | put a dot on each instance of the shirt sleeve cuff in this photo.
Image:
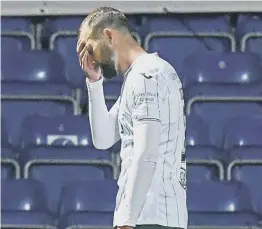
(94, 84)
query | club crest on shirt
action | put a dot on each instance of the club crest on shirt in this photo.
(182, 179)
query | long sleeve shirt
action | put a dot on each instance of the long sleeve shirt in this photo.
(149, 119)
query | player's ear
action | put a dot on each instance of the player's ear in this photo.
(108, 35)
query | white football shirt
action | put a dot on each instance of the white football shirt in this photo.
(152, 92)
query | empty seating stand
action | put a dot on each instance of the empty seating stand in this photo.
(175, 38)
(52, 175)
(56, 150)
(36, 85)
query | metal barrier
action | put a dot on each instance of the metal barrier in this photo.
(220, 99)
(30, 163)
(20, 34)
(241, 162)
(14, 163)
(70, 99)
(228, 36)
(216, 163)
(247, 37)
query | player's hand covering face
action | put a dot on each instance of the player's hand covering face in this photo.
(95, 58)
(87, 62)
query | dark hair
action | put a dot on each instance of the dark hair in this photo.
(103, 17)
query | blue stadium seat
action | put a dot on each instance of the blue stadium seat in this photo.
(203, 158)
(33, 67)
(249, 33)
(137, 24)
(15, 24)
(248, 23)
(176, 49)
(174, 38)
(16, 34)
(60, 130)
(35, 85)
(66, 47)
(10, 167)
(243, 140)
(9, 43)
(112, 87)
(65, 23)
(244, 17)
(246, 166)
(197, 132)
(5, 138)
(62, 146)
(23, 204)
(62, 33)
(217, 103)
(229, 204)
(183, 23)
(87, 203)
(243, 131)
(222, 68)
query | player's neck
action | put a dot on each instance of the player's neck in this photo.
(128, 52)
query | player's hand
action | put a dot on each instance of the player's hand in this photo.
(92, 70)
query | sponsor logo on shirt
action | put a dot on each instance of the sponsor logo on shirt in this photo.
(147, 97)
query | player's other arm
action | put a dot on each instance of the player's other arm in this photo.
(146, 122)
(104, 125)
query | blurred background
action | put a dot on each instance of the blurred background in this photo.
(53, 177)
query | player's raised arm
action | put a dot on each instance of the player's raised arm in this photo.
(146, 121)
(104, 125)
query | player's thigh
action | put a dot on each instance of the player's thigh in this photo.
(155, 227)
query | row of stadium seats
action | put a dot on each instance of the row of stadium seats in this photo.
(213, 82)
(210, 67)
(46, 27)
(91, 203)
(185, 35)
(239, 131)
(215, 113)
(62, 145)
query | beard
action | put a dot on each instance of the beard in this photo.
(108, 64)
(109, 71)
